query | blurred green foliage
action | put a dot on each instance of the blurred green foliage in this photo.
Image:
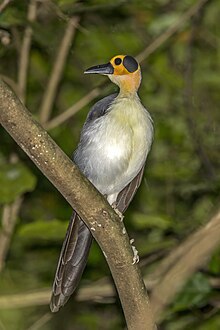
(15, 180)
(180, 88)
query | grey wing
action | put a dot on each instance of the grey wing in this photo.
(100, 108)
(76, 246)
(72, 261)
(81, 155)
(126, 195)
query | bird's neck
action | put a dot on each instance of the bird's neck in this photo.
(128, 84)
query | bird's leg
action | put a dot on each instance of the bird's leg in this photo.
(135, 251)
(117, 211)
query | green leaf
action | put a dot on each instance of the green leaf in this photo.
(197, 289)
(15, 179)
(214, 265)
(142, 221)
(43, 230)
(153, 242)
(163, 22)
(210, 324)
(12, 16)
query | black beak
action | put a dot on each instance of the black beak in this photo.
(101, 69)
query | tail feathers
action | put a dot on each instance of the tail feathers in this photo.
(72, 261)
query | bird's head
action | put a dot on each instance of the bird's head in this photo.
(123, 70)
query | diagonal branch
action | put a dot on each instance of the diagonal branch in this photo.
(11, 211)
(51, 90)
(4, 4)
(189, 108)
(73, 109)
(171, 30)
(41, 322)
(165, 281)
(9, 81)
(92, 207)
(183, 262)
(25, 51)
(9, 217)
(193, 10)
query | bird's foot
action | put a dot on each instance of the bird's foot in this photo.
(117, 211)
(135, 251)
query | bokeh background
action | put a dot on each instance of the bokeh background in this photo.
(179, 48)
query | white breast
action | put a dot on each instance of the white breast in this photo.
(118, 145)
(141, 127)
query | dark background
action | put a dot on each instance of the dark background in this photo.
(180, 190)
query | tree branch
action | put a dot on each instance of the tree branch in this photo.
(50, 92)
(4, 4)
(140, 57)
(9, 218)
(9, 81)
(165, 281)
(183, 262)
(25, 51)
(171, 30)
(108, 230)
(10, 211)
(41, 322)
(189, 108)
(73, 109)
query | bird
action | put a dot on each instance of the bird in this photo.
(114, 144)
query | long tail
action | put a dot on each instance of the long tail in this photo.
(72, 261)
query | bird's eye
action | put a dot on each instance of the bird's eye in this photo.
(118, 61)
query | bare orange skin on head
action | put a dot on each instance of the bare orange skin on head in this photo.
(128, 82)
(119, 69)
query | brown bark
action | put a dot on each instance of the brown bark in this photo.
(108, 230)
